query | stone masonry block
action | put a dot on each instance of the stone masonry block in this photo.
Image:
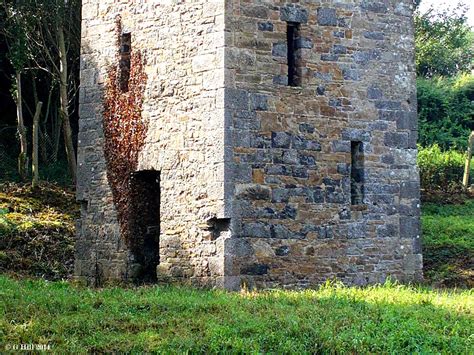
(327, 16)
(293, 13)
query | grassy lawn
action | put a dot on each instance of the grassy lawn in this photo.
(381, 319)
(448, 240)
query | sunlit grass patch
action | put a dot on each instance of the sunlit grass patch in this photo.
(390, 318)
(37, 229)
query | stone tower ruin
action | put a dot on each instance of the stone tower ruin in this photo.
(259, 143)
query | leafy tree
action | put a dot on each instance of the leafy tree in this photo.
(445, 110)
(444, 42)
(16, 23)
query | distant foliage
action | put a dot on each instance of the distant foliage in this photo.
(444, 42)
(446, 111)
(444, 58)
(31, 37)
(440, 170)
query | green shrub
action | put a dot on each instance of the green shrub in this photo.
(445, 111)
(440, 169)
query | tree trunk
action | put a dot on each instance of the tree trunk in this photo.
(67, 131)
(57, 135)
(45, 138)
(23, 156)
(467, 168)
(35, 165)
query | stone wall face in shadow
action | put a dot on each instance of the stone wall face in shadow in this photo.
(293, 220)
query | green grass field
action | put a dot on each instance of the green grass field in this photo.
(448, 241)
(37, 228)
(382, 319)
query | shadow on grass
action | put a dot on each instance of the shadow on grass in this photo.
(448, 238)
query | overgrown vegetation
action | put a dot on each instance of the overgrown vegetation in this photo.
(125, 132)
(441, 170)
(446, 111)
(444, 42)
(448, 240)
(37, 231)
(380, 319)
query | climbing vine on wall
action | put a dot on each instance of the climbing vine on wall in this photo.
(125, 130)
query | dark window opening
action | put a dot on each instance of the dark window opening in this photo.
(218, 226)
(357, 173)
(144, 222)
(292, 34)
(84, 206)
(125, 61)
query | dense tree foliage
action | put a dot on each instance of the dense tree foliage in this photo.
(446, 110)
(444, 58)
(444, 42)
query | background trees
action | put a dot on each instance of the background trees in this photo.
(445, 86)
(444, 42)
(42, 41)
(444, 60)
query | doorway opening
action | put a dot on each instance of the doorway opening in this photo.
(144, 223)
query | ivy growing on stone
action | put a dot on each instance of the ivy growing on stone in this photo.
(125, 131)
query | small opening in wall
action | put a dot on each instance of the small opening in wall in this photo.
(84, 205)
(357, 173)
(145, 223)
(125, 60)
(292, 34)
(218, 226)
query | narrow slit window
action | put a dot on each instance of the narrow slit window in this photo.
(292, 34)
(357, 173)
(125, 60)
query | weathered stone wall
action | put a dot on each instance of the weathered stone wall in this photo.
(183, 46)
(234, 143)
(293, 222)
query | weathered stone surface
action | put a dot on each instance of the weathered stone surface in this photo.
(379, 36)
(279, 49)
(293, 13)
(255, 176)
(252, 192)
(265, 26)
(327, 17)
